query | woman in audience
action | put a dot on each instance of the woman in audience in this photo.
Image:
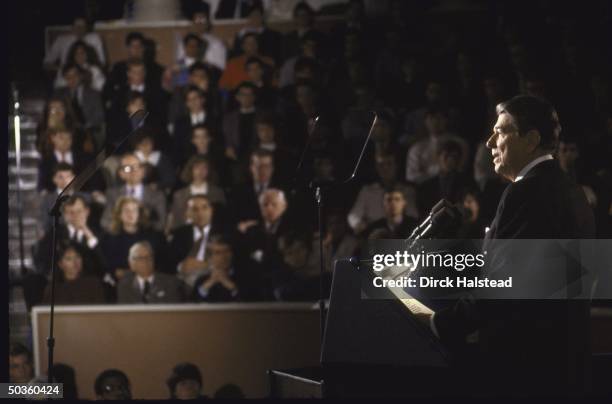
(197, 174)
(129, 226)
(73, 286)
(57, 114)
(158, 167)
(84, 56)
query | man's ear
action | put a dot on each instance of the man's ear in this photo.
(533, 139)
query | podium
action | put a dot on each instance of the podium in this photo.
(375, 348)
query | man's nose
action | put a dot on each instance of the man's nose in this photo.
(491, 141)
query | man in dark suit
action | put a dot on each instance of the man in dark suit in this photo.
(144, 284)
(395, 224)
(527, 347)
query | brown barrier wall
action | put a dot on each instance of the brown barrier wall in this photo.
(230, 343)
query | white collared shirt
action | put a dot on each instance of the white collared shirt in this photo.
(141, 281)
(137, 193)
(197, 233)
(139, 87)
(268, 146)
(199, 190)
(152, 158)
(529, 166)
(72, 231)
(64, 157)
(198, 118)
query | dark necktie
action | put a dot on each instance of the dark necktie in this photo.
(77, 107)
(197, 245)
(145, 292)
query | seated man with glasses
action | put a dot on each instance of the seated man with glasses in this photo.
(132, 173)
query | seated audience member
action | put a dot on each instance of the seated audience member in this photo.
(239, 124)
(185, 382)
(448, 183)
(368, 206)
(204, 142)
(304, 17)
(58, 115)
(268, 137)
(143, 284)
(71, 286)
(197, 175)
(85, 101)
(200, 76)
(66, 375)
(158, 167)
(395, 224)
(76, 229)
(235, 70)
(21, 369)
(245, 197)
(224, 282)
(260, 237)
(215, 53)
(178, 74)
(259, 76)
(421, 162)
(339, 242)
(299, 276)
(188, 243)
(473, 226)
(112, 384)
(132, 173)
(64, 150)
(58, 52)
(196, 114)
(135, 44)
(129, 225)
(85, 57)
(270, 41)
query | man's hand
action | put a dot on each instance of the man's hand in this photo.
(120, 273)
(246, 225)
(191, 265)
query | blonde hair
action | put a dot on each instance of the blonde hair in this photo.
(116, 224)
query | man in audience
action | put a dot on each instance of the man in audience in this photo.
(131, 171)
(196, 114)
(200, 77)
(304, 17)
(112, 384)
(188, 243)
(146, 285)
(395, 224)
(270, 41)
(21, 369)
(215, 52)
(185, 382)
(239, 125)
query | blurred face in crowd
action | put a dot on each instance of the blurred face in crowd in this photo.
(511, 152)
(131, 171)
(303, 19)
(304, 97)
(201, 22)
(136, 49)
(246, 97)
(567, 154)
(220, 256)
(199, 78)
(57, 112)
(449, 161)
(194, 101)
(20, 369)
(435, 123)
(295, 254)
(255, 72)
(382, 131)
(115, 388)
(80, 55)
(130, 213)
(199, 172)
(200, 211)
(309, 48)
(394, 204)
(62, 178)
(72, 78)
(200, 139)
(136, 104)
(76, 214)
(265, 132)
(386, 168)
(262, 168)
(193, 48)
(62, 141)
(493, 88)
(136, 74)
(470, 203)
(142, 261)
(71, 264)
(188, 389)
(324, 167)
(255, 18)
(272, 206)
(433, 93)
(145, 146)
(250, 46)
(79, 27)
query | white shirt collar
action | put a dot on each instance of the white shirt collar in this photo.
(152, 158)
(139, 87)
(138, 190)
(197, 233)
(199, 190)
(67, 157)
(200, 117)
(529, 166)
(141, 281)
(268, 146)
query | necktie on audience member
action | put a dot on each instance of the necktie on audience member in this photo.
(145, 291)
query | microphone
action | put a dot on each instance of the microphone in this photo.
(446, 218)
(441, 203)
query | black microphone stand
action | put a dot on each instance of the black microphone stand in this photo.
(137, 119)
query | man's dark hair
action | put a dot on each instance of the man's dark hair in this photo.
(262, 153)
(107, 374)
(73, 199)
(193, 37)
(134, 36)
(199, 196)
(199, 66)
(393, 189)
(183, 371)
(532, 113)
(62, 166)
(197, 89)
(134, 95)
(246, 84)
(71, 65)
(17, 349)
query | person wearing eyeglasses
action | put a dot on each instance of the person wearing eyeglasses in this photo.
(132, 172)
(143, 284)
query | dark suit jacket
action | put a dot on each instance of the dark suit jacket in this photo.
(91, 105)
(165, 289)
(180, 243)
(529, 346)
(80, 162)
(245, 204)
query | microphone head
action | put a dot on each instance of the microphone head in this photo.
(441, 203)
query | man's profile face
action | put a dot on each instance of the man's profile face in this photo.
(394, 203)
(142, 261)
(20, 369)
(200, 211)
(272, 207)
(508, 148)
